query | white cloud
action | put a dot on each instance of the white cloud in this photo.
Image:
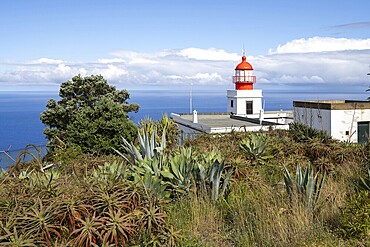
(63, 69)
(209, 54)
(205, 78)
(139, 58)
(111, 60)
(321, 44)
(45, 60)
(82, 72)
(288, 64)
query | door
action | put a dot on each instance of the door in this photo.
(249, 107)
(362, 132)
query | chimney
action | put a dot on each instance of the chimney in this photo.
(195, 116)
(262, 117)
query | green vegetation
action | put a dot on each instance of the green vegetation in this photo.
(208, 193)
(90, 115)
(275, 188)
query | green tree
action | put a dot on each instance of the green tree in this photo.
(90, 114)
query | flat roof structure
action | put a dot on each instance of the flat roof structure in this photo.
(217, 120)
(224, 122)
(333, 104)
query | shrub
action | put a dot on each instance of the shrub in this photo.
(301, 132)
(355, 219)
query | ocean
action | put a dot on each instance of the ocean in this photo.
(20, 123)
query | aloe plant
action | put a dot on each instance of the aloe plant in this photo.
(308, 186)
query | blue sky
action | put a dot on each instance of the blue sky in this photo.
(155, 44)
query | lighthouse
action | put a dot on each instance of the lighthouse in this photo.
(244, 100)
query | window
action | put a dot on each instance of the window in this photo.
(362, 132)
(232, 103)
(249, 107)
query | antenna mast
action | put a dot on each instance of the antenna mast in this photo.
(191, 97)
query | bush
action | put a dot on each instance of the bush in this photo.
(301, 133)
(355, 219)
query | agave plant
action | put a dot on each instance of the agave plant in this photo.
(156, 187)
(209, 158)
(215, 176)
(46, 183)
(308, 186)
(109, 172)
(255, 147)
(148, 147)
(181, 170)
(155, 166)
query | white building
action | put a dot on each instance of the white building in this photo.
(345, 120)
(244, 110)
(244, 100)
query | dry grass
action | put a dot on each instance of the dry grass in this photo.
(201, 222)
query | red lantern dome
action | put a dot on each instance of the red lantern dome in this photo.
(243, 77)
(244, 65)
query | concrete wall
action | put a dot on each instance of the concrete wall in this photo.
(314, 118)
(346, 121)
(240, 97)
(340, 124)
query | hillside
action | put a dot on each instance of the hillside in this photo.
(277, 188)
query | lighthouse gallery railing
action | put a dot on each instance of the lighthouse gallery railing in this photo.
(244, 79)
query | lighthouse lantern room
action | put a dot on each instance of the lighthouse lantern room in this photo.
(244, 100)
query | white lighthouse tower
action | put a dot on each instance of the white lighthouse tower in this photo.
(244, 100)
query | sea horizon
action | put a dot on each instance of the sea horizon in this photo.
(20, 110)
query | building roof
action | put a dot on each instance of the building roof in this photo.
(223, 122)
(244, 65)
(218, 120)
(333, 104)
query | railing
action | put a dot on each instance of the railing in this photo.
(9, 157)
(244, 79)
